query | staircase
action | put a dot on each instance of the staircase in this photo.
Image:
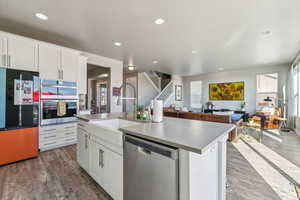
(162, 83)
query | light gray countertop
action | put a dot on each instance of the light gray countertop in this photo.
(191, 135)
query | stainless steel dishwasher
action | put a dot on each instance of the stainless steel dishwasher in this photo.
(150, 170)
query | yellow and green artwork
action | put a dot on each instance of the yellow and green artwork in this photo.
(233, 91)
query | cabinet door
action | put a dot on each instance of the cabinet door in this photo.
(69, 64)
(22, 53)
(83, 149)
(113, 173)
(3, 50)
(82, 75)
(49, 61)
(96, 168)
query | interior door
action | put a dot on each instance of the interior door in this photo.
(69, 64)
(103, 97)
(49, 61)
(22, 53)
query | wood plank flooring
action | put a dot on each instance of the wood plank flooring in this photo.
(55, 175)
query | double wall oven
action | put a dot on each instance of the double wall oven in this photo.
(55, 94)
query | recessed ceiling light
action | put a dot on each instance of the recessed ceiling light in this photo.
(41, 16)
(118, 44)
(221, 69)
(159, 21)
(131, 67)
(155, 62)
(194, 52)
(267, 32)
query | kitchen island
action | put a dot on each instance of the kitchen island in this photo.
(201, 148)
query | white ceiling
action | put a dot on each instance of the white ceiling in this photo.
(226, 34)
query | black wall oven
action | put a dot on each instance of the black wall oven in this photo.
(50, 111)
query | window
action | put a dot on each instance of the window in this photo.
(196, 94)
(296, 73)
(267, 86)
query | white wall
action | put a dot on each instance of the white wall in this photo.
(177, 80)
(247, 75)
(116, 71)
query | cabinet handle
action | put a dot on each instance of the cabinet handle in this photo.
(53, 136)
(9, 60)
(50, 143)
(48, 130)
(86, 143)
(62, 74)
(101, 158)
(69, 133)
(68, 127)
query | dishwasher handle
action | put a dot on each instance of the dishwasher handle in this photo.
(147, 147)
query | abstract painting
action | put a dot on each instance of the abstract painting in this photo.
(233, 91)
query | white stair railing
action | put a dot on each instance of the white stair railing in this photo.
(166, 92)
(154, 80)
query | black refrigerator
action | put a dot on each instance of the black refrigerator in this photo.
(22, 99)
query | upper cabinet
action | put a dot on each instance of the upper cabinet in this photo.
(52, 61)
(3, 50)
(69, 64)
(57, 63)
(18, 52)
(82, 75)
(49, 61)
(22, 53)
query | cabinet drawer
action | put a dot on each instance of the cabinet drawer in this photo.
(48, 136)
(70, 133)
(48, 144)
(69, 127)
(48, 130)
(68, 140)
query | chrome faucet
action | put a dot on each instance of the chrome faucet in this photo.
(134, 98)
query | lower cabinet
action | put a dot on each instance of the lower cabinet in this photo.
(105, 165)
(96, 168)
(83, 149)
(113, 173)
(54, 136)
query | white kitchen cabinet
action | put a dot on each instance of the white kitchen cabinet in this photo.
(113, 173)
(57, 63)
(49, 61)
(54, 136)
(3, 50)
(106, 167)
(96, 165)
(83, 148)
(21, 53)
(82, 75)
(69, 64)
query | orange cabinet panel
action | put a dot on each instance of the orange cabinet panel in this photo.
(18, 144)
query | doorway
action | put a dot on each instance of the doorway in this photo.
(98, 98)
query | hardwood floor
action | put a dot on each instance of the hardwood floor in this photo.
(55, 175)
